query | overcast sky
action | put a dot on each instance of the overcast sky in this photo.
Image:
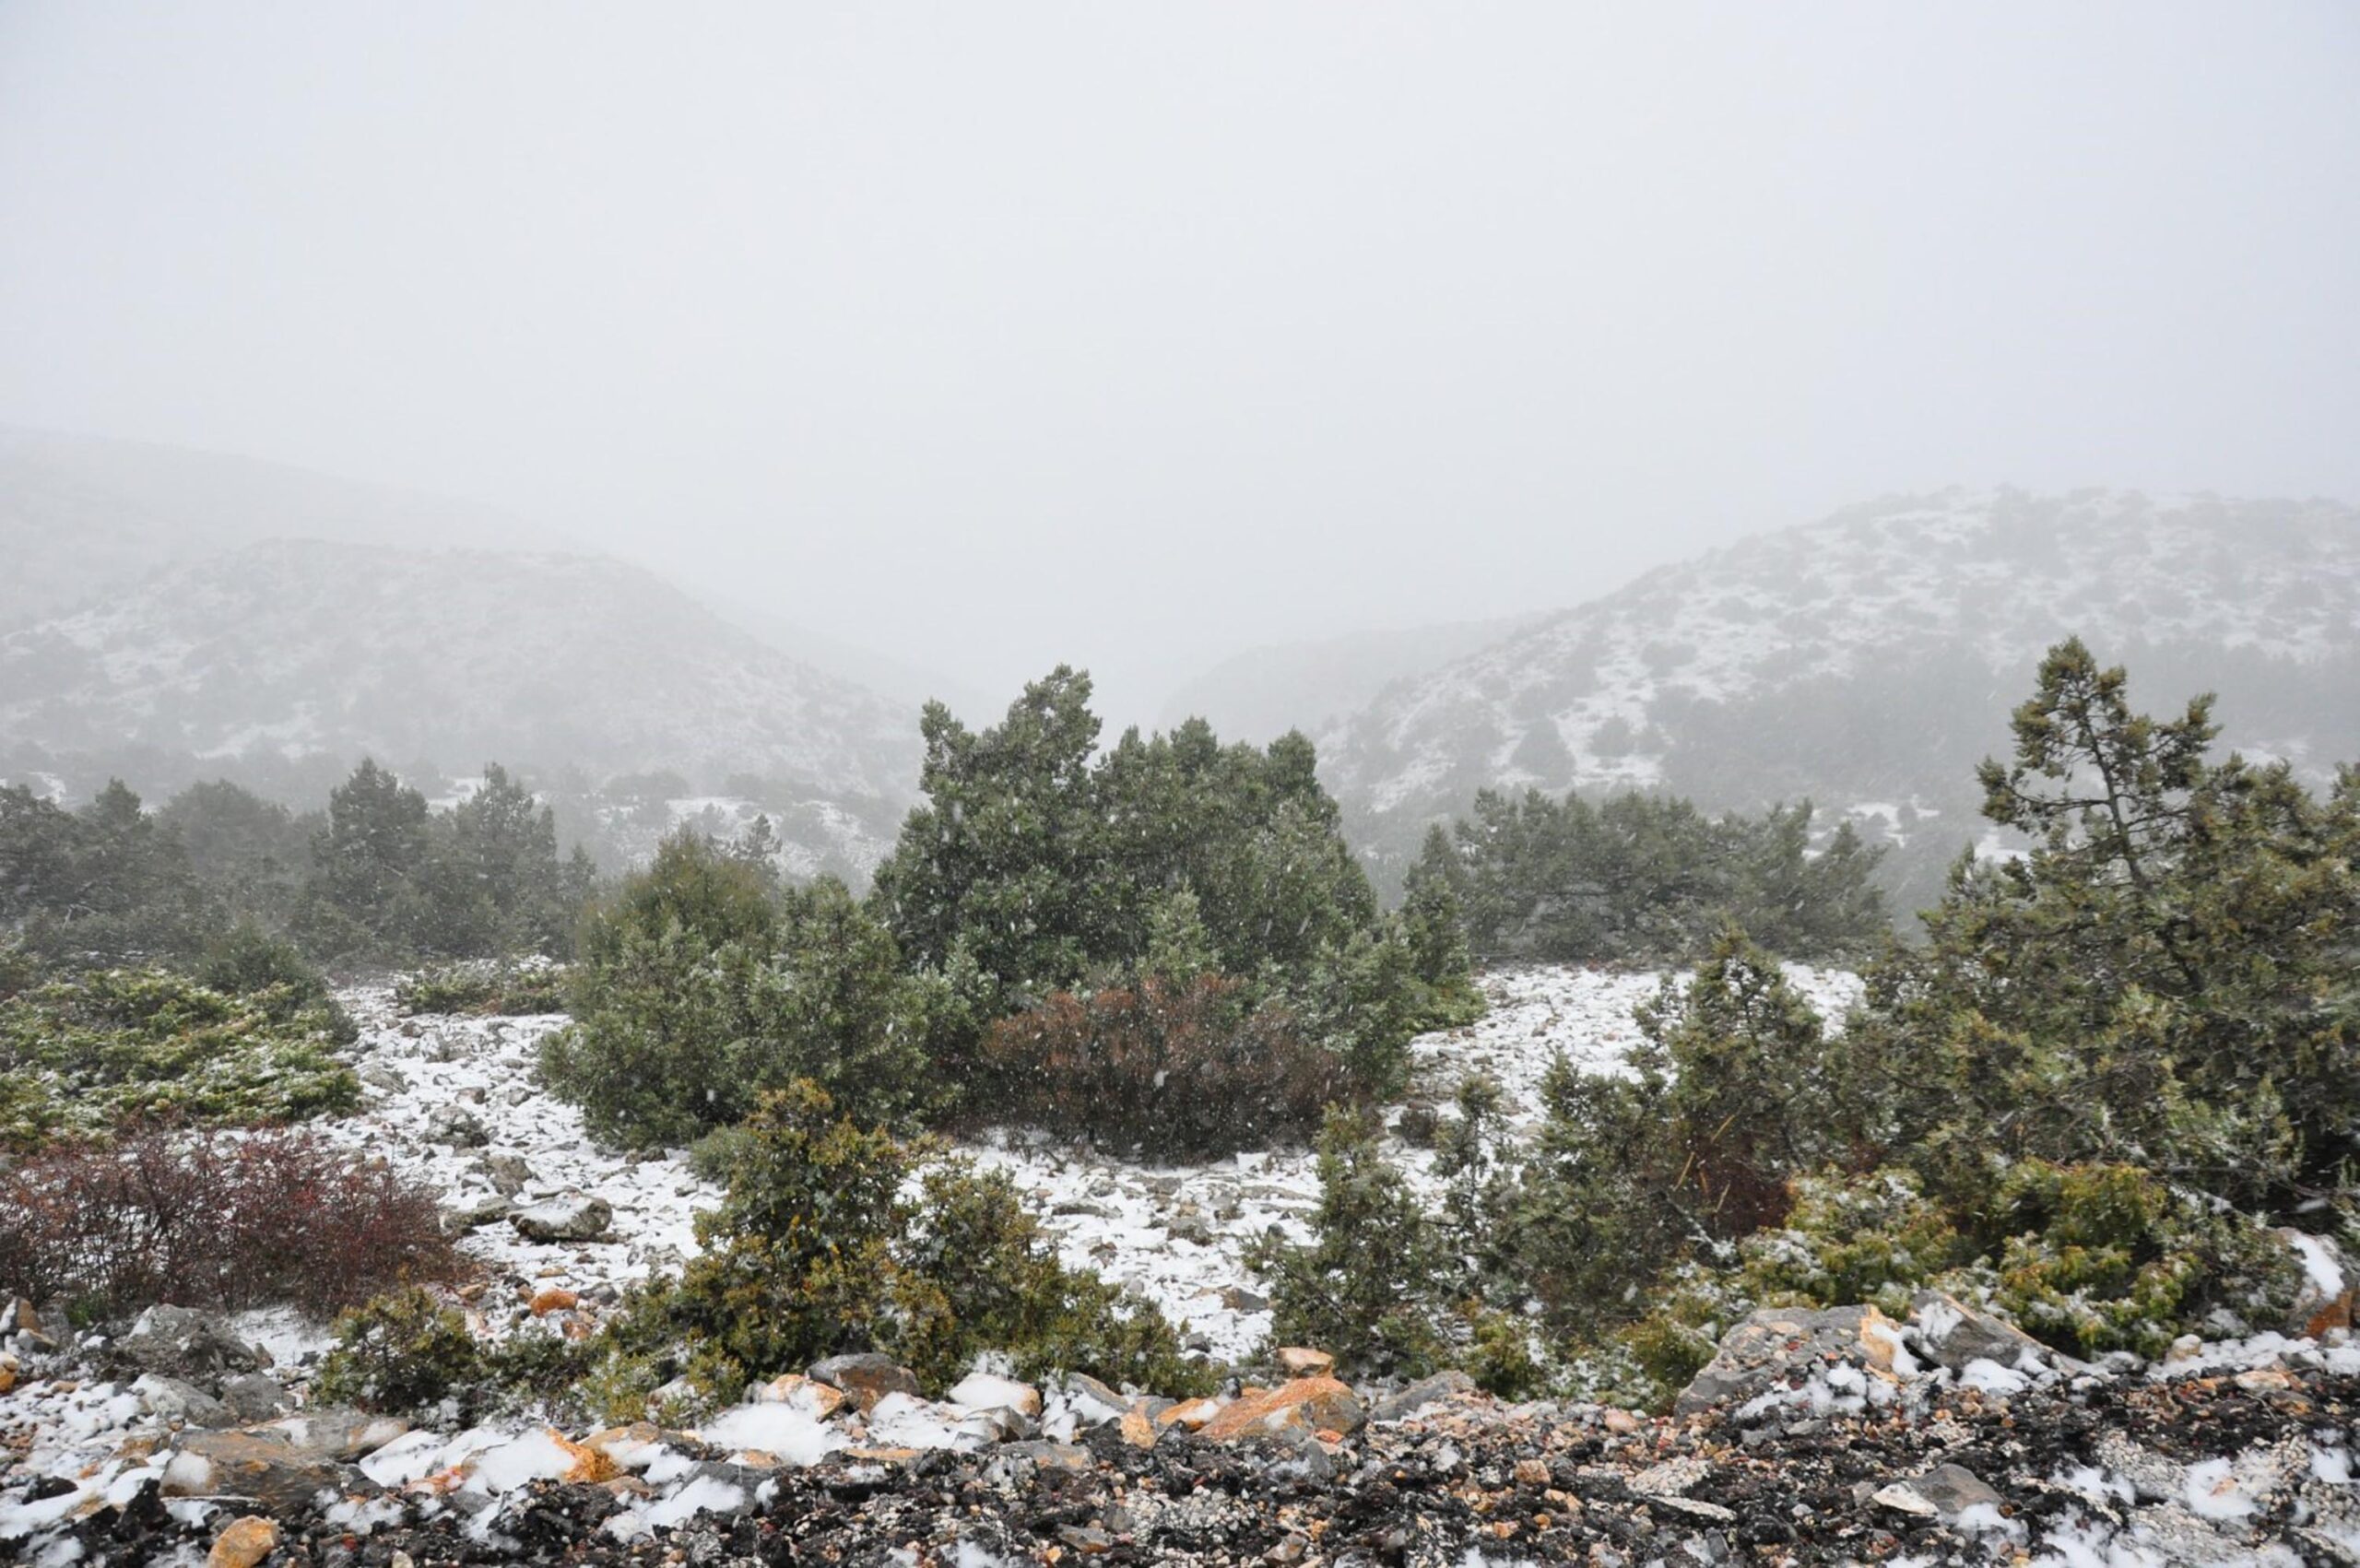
(996, 334)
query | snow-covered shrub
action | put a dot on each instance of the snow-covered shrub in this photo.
(225, 1221)
(93, 1055)
(1171, 1069)
(485, 989)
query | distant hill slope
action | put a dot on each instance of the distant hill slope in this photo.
(83, 514)
(1260, 694)
(1868, 660)
(293, 649)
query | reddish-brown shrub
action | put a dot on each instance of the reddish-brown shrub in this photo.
(1172, 1068)
(225, 1221)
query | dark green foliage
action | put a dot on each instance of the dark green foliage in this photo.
(976, 1275)
(1642, 879)
(1375, 1287)
(401, 1354)
(2115, 1061)
(2169, 979)
(89, 1056)
(815, 1250)
(1038, 867)
(699, 988)
(392, 880)
(253, 855)
(106, 883)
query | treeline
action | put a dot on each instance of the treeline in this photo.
(377, 876)
(1651, 879)
(2117, 1062)
(1166, 946)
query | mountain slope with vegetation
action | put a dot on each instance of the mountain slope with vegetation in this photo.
(1868, 660)
(293, 649)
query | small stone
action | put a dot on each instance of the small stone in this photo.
(1299, 1361)
(1237, 1298)
(246, 1542)
(1622, 1421)
(866, 1377)
(546, 1302)
(1533, 1472)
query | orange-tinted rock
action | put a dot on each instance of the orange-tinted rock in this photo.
(1297, 1360)
(1307, 1404)
(245, 1544)
(546, 1302)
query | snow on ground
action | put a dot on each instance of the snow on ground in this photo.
(453, 1102)
(1177, 1234)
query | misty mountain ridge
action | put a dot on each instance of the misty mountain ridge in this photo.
(1868, 660)
(303, 648)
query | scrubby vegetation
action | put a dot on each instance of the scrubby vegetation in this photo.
(2117, 1060)
(379, 877)
(88, 1054)
(819, 1249)
(484, 989)
(701, 985)
(1651, 880)
(1169, 941)
(226, 1221)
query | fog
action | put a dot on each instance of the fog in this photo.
(990, 336)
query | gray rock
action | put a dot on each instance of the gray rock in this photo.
(1950, 1333)
(1237, 1298)
(181, 1343)
(251, 1396)
(572, 1219)
(1952, 1489)
(176, 1403)
(1777, 1347)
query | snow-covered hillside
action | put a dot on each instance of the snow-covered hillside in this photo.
(295, 648)
(1868, 660)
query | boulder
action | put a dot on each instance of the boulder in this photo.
(866, 1377)
(1091, 1401)
(1299, 1361)
(1950, 1333)
(1306, 1405)
(176, 1403)
(1777, 1347)
(282, 1470)
(574, 1217)
(183, 1343)
(244, 1543)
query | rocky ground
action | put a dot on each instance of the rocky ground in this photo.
(1837, 1436)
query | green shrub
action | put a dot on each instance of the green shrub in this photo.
(1375, 1287)
(485, 989)
(88, 1056)
(815, 1251)
(698, 990)
(400, 1354)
